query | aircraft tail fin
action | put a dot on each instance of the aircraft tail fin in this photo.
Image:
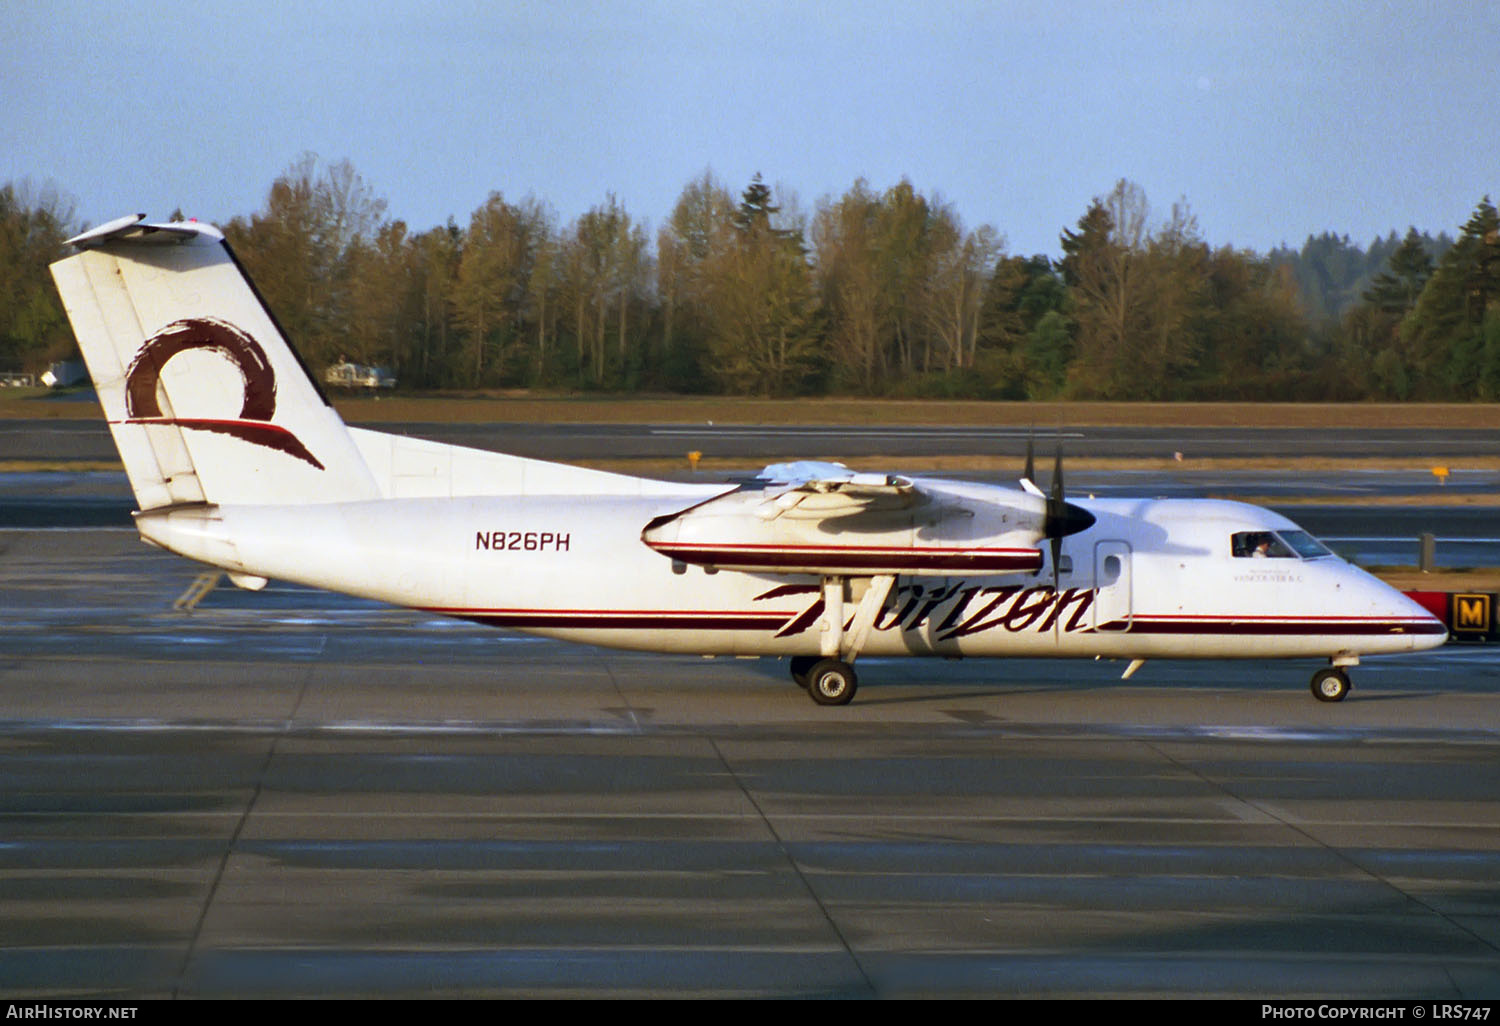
(207, 401)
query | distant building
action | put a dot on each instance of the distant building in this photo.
(68, 372)
(357, 375)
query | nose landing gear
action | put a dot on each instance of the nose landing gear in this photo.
(1330, 684)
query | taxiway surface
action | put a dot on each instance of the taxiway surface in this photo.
(292, 794)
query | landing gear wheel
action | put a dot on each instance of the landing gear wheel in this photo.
(832, 682)
(1330, 684)
(801, 667)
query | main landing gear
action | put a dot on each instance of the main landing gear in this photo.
(1330, 684)
(829, 678)
(828, 681)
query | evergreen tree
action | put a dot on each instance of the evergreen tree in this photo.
(1046, 354)
(1086, 246)
(33, 330)
(1444, 331)
(1331, 272)
(1395, 290)
(755, 209)
(1027, 362)
(764, 327)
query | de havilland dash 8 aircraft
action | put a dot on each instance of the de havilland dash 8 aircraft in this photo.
(238, 460)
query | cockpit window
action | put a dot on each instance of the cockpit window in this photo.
(1276, 545)
(1304, 544)
(1259, 545)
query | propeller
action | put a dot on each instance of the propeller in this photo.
(1062, 517)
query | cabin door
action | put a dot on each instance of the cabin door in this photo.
(1112, 602)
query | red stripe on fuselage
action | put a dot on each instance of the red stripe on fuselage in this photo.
(1273, 626)
(624, 619)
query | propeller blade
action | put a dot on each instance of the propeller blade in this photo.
(1063, 518)
(1028, 476)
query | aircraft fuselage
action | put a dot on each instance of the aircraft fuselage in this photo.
(1151, 578)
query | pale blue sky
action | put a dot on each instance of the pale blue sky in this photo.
(1273, 119)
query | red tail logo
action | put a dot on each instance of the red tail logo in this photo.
(253, 424)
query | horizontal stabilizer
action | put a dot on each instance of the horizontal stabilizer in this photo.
(134, 228)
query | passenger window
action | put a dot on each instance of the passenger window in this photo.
(1259, 545)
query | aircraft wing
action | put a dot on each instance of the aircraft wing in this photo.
(846, 495)
(824, 519)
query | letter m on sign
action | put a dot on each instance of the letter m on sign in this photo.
(1470, 615)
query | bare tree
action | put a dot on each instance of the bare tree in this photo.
(845, 243)
(297, 250)
(492, 287)
(607, 268)
(961, 265)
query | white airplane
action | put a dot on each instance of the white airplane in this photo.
(237, 460)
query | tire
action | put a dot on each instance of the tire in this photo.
(1330, 685)
(832, 682)
(801, 667)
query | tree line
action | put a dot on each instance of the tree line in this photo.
(871, 292)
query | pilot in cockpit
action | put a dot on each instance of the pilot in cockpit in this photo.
(1259, 545)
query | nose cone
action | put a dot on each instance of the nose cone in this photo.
(1430, 630)
(1407, 619)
